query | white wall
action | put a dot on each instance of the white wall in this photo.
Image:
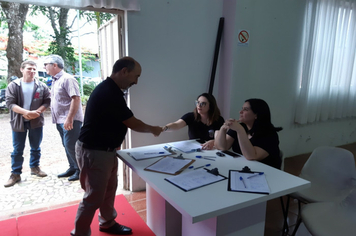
(268, 69)
(174, 42)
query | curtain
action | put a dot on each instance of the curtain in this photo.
(328, 68)
(130, 5)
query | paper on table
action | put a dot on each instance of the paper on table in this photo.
(149, 153)
(194, 179)
(169, 165)
(239, 181)
(186, 146)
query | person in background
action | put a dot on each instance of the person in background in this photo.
(27, 98)
(252, 135)
(202, 122)
(106, 120)
(66, 108)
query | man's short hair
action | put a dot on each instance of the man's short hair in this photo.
(55, 59)
(25, 63)
(128, 62)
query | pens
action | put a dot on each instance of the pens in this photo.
(206, 158)
(149, 153)
(201, 166)
(196, 150)
(251, 176)
(242, 181)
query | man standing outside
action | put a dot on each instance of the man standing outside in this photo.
(27, 98)
(66, 108)
(107, 118)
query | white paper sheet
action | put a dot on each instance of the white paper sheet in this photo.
(194, 179)
(248, 182)
(186, 146)
(149, 153)
(169, 165)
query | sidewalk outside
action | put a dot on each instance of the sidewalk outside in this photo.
(32, 193)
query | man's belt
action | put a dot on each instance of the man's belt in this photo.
(105, 149)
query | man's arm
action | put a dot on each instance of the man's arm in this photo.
(45, 104)
(138, 126)
(11, 98)
(29, 115)
(175, 125)
(74, 106)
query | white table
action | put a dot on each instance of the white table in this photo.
(209, 210)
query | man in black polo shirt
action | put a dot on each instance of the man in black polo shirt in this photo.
(105, 124)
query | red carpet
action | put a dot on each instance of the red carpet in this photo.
(8, 227)
(60, 222)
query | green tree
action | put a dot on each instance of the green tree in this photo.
(61, 45)
(15, 17)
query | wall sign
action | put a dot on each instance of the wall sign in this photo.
(243, 38)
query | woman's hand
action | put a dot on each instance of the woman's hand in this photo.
(235, 125)
(225, 127)
(209, 145)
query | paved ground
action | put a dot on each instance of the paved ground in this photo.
(33, 193)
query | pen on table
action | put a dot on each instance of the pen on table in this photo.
(196, 150)
(251, 176)
(149, 153)
(242, 181)
(206, 158)
(201, 166)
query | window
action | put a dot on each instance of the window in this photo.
(328, 68)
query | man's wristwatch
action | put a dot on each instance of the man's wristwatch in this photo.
(165, 128)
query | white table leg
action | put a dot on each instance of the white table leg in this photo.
(162, 218)
(247, 221)
(155, 210)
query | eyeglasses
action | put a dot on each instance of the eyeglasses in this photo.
(200, 104)
(45, 64)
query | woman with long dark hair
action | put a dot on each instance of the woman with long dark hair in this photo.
(202, 122)
(252, 135)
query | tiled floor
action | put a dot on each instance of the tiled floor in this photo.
(138, 202)
(274, 215)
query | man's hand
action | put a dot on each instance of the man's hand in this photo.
(30, 115)
(68, 124)
(156, 130)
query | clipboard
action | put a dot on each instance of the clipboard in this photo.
(186, 146)
(196, 179)
(248, 181)
(170, 165)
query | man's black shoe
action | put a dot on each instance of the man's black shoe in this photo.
(75, 176)
(117, 229)
(68, 173)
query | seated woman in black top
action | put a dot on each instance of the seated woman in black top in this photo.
(202, 122)
(253, 135)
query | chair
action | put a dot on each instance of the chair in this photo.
(332, 173)
(331, 218)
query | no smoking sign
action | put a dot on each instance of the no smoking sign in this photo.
(243, 37)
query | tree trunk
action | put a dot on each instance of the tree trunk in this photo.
(16, 16)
